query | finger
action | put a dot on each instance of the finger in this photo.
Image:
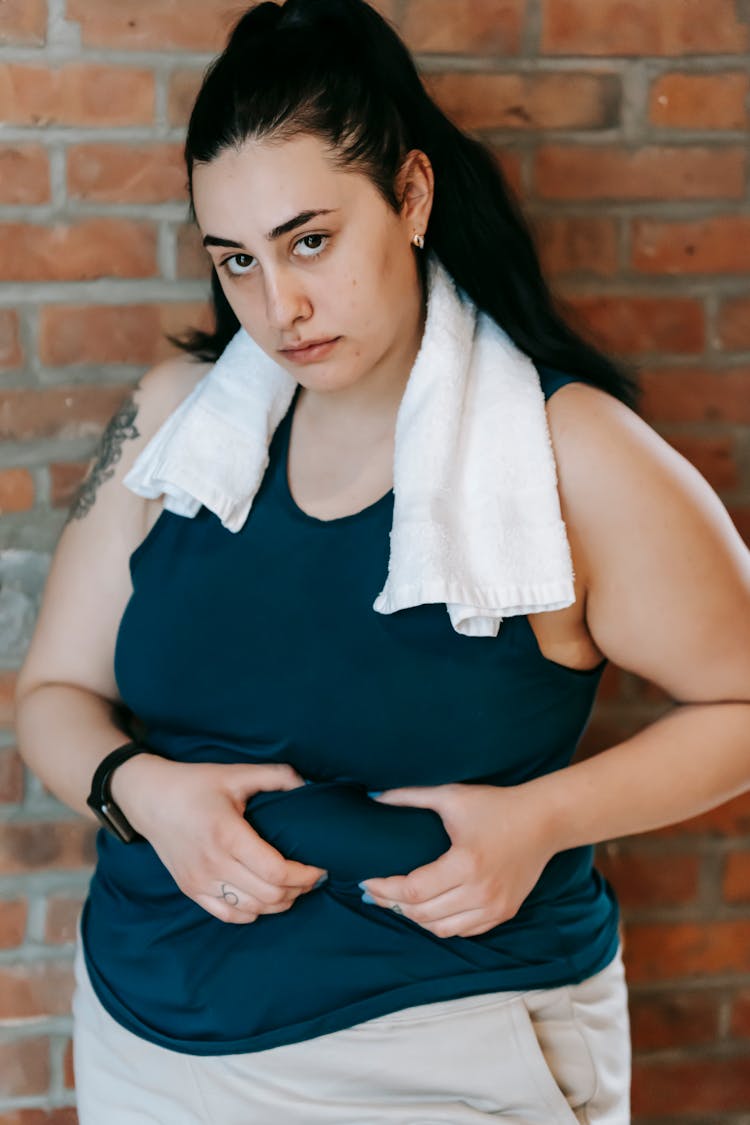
(226, 912)
(418, 796)
(451, 902)
(236, 900)
(463, 924)
(269, 865)
(245, 780)
(223, 911)
(248, 884)
(423, 883)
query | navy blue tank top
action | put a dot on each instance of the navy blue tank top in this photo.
(263, 646)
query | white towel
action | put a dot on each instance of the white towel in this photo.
(476, 514)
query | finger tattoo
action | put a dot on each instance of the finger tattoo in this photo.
(229, 896)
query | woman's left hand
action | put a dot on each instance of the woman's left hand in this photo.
(500, 843)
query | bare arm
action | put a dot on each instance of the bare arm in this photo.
(67, 700)
(64, 732)
(68, 709)
(669, 599)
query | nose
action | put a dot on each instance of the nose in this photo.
(286, 300)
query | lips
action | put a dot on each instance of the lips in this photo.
(307, 344)
(312, 353)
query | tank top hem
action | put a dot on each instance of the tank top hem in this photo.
(554, 975)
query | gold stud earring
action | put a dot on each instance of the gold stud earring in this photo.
(417, 240)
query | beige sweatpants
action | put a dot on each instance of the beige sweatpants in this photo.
(541, 1057)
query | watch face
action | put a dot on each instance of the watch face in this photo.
(112, 818)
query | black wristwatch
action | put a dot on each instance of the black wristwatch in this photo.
(100, 799)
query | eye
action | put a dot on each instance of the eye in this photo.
(238, 264)
(316, 250)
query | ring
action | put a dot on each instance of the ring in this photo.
(231, 898)
(396, 908)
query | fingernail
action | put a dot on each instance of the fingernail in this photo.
(376, 793)
(368, 898)
(362, 885)
(319, 882)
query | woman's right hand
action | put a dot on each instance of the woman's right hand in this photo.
(192, 815)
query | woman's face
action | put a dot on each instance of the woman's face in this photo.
(347, 272)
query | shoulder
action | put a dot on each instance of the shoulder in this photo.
(668, 573)
(161, 390)
(140, 414)
(590, 428)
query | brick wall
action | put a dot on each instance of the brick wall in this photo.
(624, 125)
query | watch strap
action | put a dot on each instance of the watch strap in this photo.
(100, 799)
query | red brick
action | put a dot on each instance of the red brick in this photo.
(651, 880)
(24, 174)
(646, 691)
(69, 1078)
(16, 490)
(63, 1115)
(510, 167)
(77, 411)
(681, 1090)
(65, 477)
(8, 682)
(641, 27)
(70, 334)
(610, 687)
(23, 22)
(135, 334)
(111, 173)
(36, 989)
(658, 951)
(194, 25)
(176, 317)
(652, 172)
(717, 245)
(740, 517)
(730, 819)
(714, 457)
(79, 94)
(24, 1067)
(700, 101)
(476, 27)
(696, 395)
(577, 244)
(79, 251)
(734, 323)
(630, 325)
(13, 914)
(11, 776)
(192, 259)
(60, 922)
(183, 89)
(10, 344)
(740, 1020)
(736, 882)
(673, 1019)
(527, 101)
(45, 845)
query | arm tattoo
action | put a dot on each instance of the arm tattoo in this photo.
(121, 426)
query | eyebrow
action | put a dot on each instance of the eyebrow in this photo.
(277, 232)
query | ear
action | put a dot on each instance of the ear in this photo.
(415, 186)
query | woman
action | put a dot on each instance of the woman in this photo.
(217, 978)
